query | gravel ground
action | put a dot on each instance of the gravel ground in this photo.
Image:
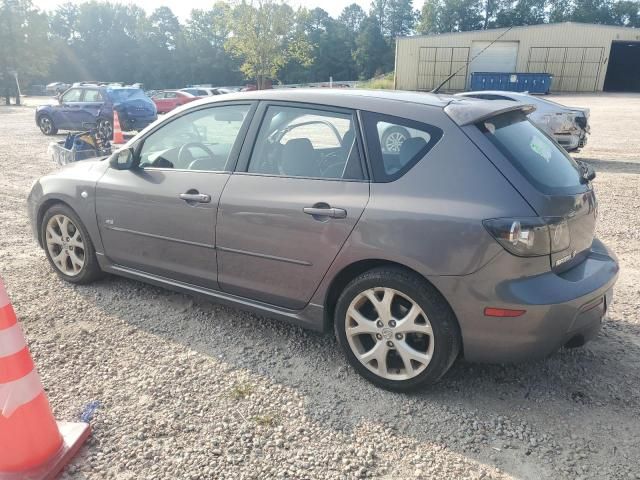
(188, 389)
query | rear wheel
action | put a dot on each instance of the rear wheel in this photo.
(396, 330)
(105, 128)
(45, 122)
(68, 246)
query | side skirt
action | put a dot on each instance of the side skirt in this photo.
(311, 317)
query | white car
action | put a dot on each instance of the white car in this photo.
(569, 126)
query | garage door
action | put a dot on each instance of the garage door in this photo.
(436, 64)
(574, 69)
(499, 57)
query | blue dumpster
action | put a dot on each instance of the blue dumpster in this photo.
(512, 82)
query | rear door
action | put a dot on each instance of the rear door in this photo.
(297, 194)
(92, 102)
(160, 217)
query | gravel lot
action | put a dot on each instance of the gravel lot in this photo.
(188, 389)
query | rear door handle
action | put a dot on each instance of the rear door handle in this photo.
(325, 212)
(195, 197)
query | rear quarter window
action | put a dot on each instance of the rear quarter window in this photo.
(396, 144)
(544, 163)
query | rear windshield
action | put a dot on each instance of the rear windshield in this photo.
(543, 162)
(123, 94)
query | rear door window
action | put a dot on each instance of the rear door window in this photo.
(307, 142)
(92, 96)
(543, 162)
(396, 144)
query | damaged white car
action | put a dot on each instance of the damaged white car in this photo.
(569, 126)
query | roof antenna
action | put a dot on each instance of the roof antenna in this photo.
(446, 80)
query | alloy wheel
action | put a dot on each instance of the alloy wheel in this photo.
(389, 333)
(65, 245)
(46, 125)
(105, 129)
(394, 141)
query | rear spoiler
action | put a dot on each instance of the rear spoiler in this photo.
(465, 111)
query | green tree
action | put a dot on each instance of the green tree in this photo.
(521, 12)
(401, 18)
(352, 17)
(626, 12)
(372, 50)
(206, 33)
(25, 53)
(440, 16)
(264, 38)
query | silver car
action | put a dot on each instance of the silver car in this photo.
(569, 126)
(474, 238)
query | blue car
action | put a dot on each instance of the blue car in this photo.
(81, 107)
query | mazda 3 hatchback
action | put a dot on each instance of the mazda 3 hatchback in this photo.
(473, 236)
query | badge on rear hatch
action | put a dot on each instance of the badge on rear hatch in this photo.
(566, 258)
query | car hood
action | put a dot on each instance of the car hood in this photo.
(83, 169)
(47, 106)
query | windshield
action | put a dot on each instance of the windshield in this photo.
(544, 163)
(123, 94)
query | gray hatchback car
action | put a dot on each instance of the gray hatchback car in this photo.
(474, 237)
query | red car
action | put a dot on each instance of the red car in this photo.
(167, 100)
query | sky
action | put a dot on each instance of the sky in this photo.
(182, 8)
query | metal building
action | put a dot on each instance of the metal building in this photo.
(581, 57)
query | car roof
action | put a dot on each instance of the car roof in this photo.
(461, 109)
(336, 96)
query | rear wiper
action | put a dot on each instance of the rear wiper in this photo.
(587, 172)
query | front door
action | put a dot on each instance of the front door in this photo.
(284, 218)
(160, 217)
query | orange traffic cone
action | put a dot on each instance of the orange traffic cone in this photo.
(33, 446)
(118, 138)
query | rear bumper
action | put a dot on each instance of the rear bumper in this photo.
(561, 309)
(137, 123)
(571, 141)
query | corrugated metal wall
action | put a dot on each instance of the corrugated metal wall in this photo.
(575, 54)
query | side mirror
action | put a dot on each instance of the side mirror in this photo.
(122, 159)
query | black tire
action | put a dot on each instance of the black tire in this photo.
(388, 133)
(446, 333)
(90, 270)
(105, 128)
(45, 122)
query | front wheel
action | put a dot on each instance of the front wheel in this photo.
(45, 122)
(396, 330)
(68, 246)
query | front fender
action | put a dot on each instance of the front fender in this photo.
(73, 185)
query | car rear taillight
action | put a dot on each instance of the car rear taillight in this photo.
(530, 236)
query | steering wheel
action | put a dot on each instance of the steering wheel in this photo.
(185, 148)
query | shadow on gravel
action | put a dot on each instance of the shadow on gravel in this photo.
(475, 410)
(612, 166)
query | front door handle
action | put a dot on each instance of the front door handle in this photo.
(195, 197)
(325, 212)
